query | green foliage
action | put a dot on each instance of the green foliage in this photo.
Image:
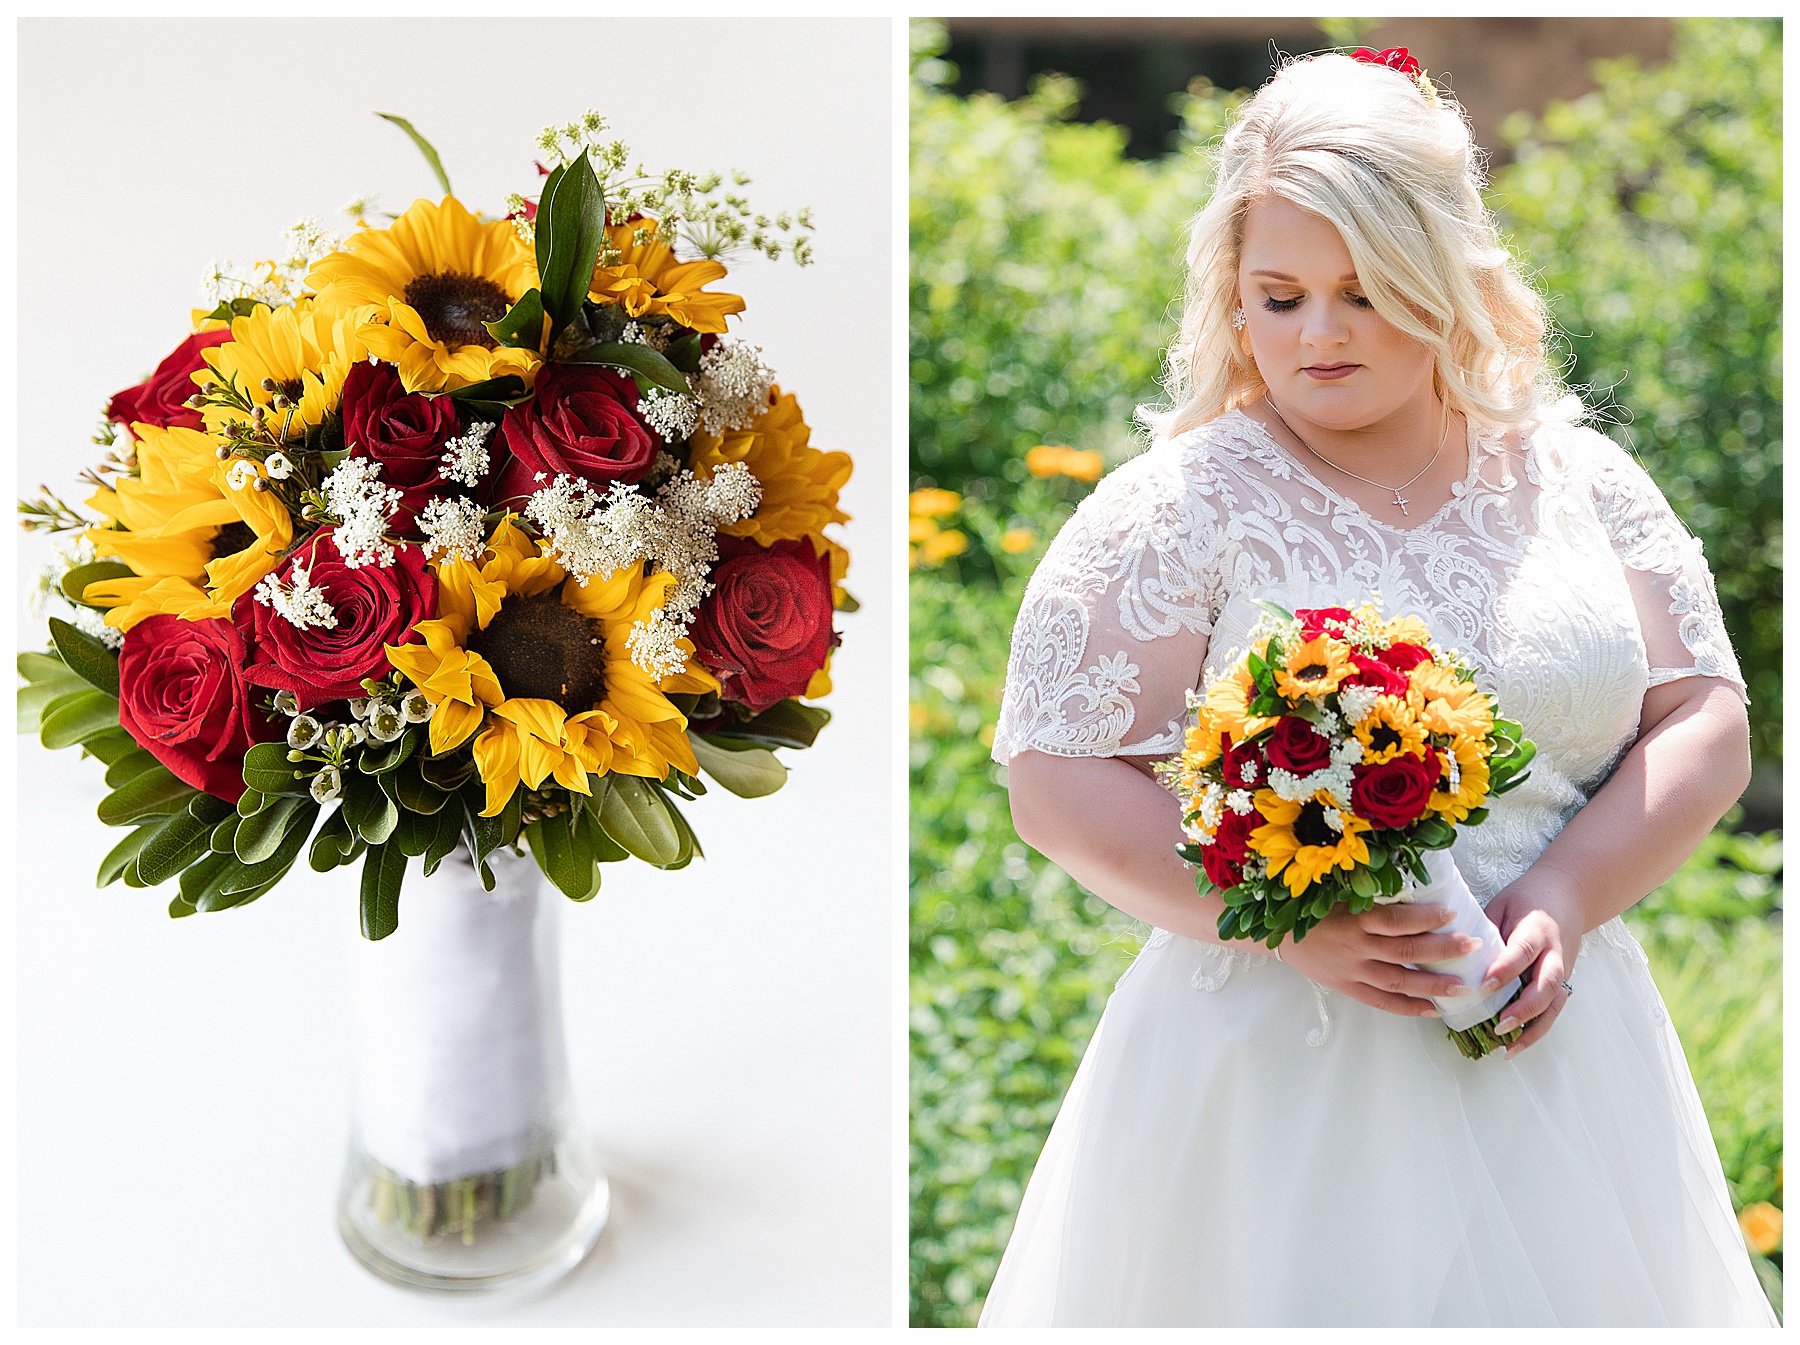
(1651, 211)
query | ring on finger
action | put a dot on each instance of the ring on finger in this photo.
(1567, 988)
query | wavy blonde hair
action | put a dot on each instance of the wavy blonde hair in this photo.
(1400, 178)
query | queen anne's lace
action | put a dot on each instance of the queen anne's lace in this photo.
(1556, 566)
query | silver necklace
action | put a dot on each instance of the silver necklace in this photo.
(1399, 499)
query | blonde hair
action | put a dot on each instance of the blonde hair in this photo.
(1400, 178)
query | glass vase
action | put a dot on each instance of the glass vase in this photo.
(467, 1170)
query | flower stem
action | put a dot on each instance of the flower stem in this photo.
(1475, 1042)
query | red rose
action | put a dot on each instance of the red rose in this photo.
(1404, 657)
(582, 421)
(161, 399)
(1296, 746)
(1317, 621)
(1394, 794)
(405, 433)
(183, 697)
(1220, 870)
(1242, 765)
(1232, 840)
(1394, 58)
(765, 629)
(1374, 673)
(375, 606)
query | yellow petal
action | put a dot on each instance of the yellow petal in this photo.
(497, 763)
(451, 724)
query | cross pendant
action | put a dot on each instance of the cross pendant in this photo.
(1400, 500)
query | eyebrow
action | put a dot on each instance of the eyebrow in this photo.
(1278, 275)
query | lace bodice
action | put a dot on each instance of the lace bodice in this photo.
(1556, 565)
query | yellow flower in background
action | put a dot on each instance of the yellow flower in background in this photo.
(932, 503)
(800, 483)
(425, 285)
(1446, 704)
(196, 543)
(1300, 842)
(1471, 791)
(1017, 541)
(644, 278)
(1761, 1223)
(1081, 464)
(540, 665)
(304, 351)
(1314, 668)
(940, 546)
(1389, 729)
(1407, 629)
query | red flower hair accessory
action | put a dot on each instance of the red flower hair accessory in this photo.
(1399, 58)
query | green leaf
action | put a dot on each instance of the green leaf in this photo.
(335, 844)
(1363, 882)
(224, 836)
(786, 723)
(86, 657)
(414, 793)
(123, 856)
(128, 767)
(749, 774)
(74, 583)
(487, 834)
(415, 832)
(571, 227)
(522, 327)
(506, 390)
(251, 802)
(450, 771)
(260, 835)
(636, 815)
(444, 839)
(685, 353)
(155, 793)
(370, 811)
(110, 746)
(268, 771)
(78, 718)
(383, 757)
(425, 148)
(260, 876)
(563, 853)
(849, 603)
(202, 884)
(184, 838)
(36, 698)
(383, 871)
(233, 308)
(606, 849)
(642, 363)
(34, 667)
(690, 843)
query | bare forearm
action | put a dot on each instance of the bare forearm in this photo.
(1114, 830)
(1674, 784)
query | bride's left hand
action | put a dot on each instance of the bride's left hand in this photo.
(1538, 916)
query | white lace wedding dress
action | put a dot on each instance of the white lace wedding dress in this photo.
(1240, 1148)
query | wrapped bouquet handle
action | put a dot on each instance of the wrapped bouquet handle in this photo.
(1464, 1014)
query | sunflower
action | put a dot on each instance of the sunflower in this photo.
(644, 278)
(1471, 791)
(539, 664)
(1446, 704)
(1388, 729)
(1227, 708)
(195, 543)
(1406, 629)
(305, 351)
(432, 278)
(1299, 841)
(1314, 668)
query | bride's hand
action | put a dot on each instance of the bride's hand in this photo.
(1364, 956)
(1537, 916)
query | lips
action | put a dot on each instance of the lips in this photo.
(1328, 371)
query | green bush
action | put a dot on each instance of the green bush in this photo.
(1651, 209)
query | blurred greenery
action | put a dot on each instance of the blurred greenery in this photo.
(1045, 268)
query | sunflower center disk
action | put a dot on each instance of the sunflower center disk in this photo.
(232, 538)
(1312, 672)
(1383, 738)
(453, 307)
(1311, 828)
(541, 650)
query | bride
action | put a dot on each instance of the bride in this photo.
(1362, 405)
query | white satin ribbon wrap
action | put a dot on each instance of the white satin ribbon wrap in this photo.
(454, 1072)
(1447, 888)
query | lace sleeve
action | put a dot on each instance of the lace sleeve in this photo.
(1677, 605)
(1113, 629)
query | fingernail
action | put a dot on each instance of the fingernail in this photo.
(1431, 1013)
(1455, 990)
(1505, 1025)
(1490, 985)
(1447, 918)
(1468, 942)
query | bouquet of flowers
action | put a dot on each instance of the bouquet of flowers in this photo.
(465, 531)
(1333, 763)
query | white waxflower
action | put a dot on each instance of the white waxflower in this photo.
(359, 707)
(355, 496)
(278, 467)
(416, 707)
(386, 723)
(453, 529)
(327, 785)
(303, 732)
(670, 414)
(240, 474)
(301, 602)
(734, 386)
(287, 703)
(465, 457)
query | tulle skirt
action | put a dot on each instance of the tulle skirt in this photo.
(1241, 1149)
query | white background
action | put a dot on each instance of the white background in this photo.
(182, 1085)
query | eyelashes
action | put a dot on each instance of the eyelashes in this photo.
(1289, 305)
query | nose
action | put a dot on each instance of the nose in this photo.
(1324, 327)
